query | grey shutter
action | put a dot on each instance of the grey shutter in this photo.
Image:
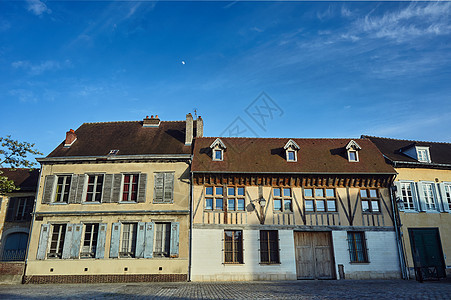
(443, 196)
(421, 199)
(73, 189)
(117, 180)
(43, 241)
(48, 189)
(80, 190)
(142, 187)
(399, 194)
(12, 209)
(148, 249)
(158, 194)
(168, 187)
(174, 251)
(29, 208)
(107, 188)
(76, 241)
(101, 239)
(68, 240)
(115, 238)
(140, 240)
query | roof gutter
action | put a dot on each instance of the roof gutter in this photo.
(113, 157)
(296, 173)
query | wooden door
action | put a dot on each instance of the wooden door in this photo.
(427, 249)
(313, 255)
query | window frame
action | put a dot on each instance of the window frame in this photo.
(427, 155)
(424, 197)
(267, 242)
(131, 240)
(129, 200)
(57, 252)
(369, 200)
(214, 198)
(446, 198)
(95, 186)
(94, 236)
(165, 247)
(235, 198)
(61, 195)
(282, 198)
(316, 199)
(413, 195)
(237, 247)
(356, 152)
(353, 250)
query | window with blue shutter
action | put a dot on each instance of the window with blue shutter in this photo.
(174, 252)
(76, 240)
(115, 239)
(101, 239)
(43, 241)
(148, 249)
(140, 240)
(68, 240)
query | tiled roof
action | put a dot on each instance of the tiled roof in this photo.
(440, 152)
(130, 138)
(266, 155)
(26, 179)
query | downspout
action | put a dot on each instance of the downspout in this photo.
(398, 233)
(31, 225)
(190, 223)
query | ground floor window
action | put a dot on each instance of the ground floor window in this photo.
(269, 247)
(128, 241)
(233, 246)
(162, 239)
(57, 241)
(90, 240)
(357, 247)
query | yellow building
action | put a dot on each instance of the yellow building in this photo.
(113, 204)
(287, 209)
(423, 193)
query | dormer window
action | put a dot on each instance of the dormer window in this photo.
(423, 154)
(113, 152)
(291, 151)
(218, 148)
(352, 149)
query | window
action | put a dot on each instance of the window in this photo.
(90, 240)
(214, 197)
(235, 199)
(94, 190)
(291, 151)
(164, 187)
(320, 200)
(352, 155)
(352, 149)
(423, 154)
(269, 247)
(282, 199)
(217, 148)
(357, 247)
(429, 196)
(62, 188)
(447, 196)
(19, 209)
(370, 200)
(233, 247)
(217, 154)
(162, 239)
(57, 241)
(128, 240)
(130, 187)
(407, 195)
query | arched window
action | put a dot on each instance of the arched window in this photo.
(15, 247)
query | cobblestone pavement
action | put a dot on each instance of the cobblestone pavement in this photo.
(346, 289)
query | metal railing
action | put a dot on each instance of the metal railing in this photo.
(13, 255)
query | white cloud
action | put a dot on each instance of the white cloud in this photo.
(23, 95)
(345, 12)
(37, 69)
(37, 7)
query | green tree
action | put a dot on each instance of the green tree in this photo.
(14, 154)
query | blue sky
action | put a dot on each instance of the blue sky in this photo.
(327, 69)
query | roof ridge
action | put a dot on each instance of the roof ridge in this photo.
(280, 138)
(405, 140)
(129, 122)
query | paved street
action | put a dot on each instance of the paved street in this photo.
(347, 289)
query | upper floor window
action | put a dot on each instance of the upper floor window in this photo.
(429, 195)
(235, 198)
(94, 188)
(423, 154)
(218, 148)
(130, 187)
(62, 188)
(164, 187)
(19, 209)
(291, 149)
(214, 197)
(352, 149)
(370, 200)
(407, 195)
(282, 199)
(447, 195)
(320, 200)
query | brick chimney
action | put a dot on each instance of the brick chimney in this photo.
(71, 137)
(199, 127)
(189, 130)
(151, 122)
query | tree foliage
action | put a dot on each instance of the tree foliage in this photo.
(14, 154)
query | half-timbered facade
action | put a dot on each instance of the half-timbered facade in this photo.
(276, 209)
(113, 204)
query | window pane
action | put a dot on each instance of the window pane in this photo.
(330, 193)
(375, 205)
(320, 205)
(331, 205)
(276, 192)
(319, 193)
(365, 206)
(218, 154)
(231, 204)
(209, 203)
(231, 191)
(363, 194)
(309, 205)
(352, 156)
(219, 190)
(219, 204)
(287, 192)
(240, 204)
(278, 205)
(373, 193)
(209, 190)
(287, 205)
(308, 193)
(241, 191)
(291, 155)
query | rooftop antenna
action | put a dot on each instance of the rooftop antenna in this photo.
(195, 113)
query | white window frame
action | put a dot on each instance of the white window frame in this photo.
(414, 192)
(434, 196)
(86, 185)
(218, 150)
(129, 194)
(59, 241)
(55, 188)
(132, 230)
(446, 196)
(356, 155)
(159, 248)
(92, 244)
(425, 150)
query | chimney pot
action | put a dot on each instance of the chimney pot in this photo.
(71, 137)
(152, 122)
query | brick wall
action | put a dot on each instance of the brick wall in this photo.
(105, 278)
(11, 268)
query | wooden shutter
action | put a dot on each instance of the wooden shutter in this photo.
(443, 197)
(142, 187)
(140, 240)
(174, 250)
(107, 188)
(68, 240)
(43, 241)
(421, 199)
(76, 241)
(101, 239)
(158, 194)
(115, 238)
(148, 249)
(117, 180)
(399, 194)
(73, 188)
(12, 209)
(168, 187)
(80, 191)
(48, 189)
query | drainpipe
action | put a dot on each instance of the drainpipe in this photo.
(190, 223)
(398, 232)
(31, 225)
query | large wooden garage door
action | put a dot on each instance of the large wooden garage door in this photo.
(314, 255)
